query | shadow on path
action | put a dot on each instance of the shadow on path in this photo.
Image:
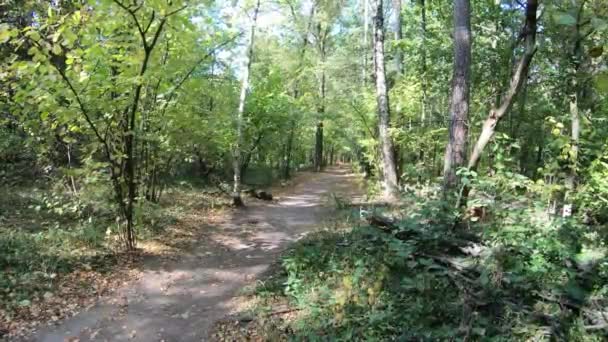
(181, 300)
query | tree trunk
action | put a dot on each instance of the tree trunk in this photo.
(455, 154)
(365, 44)
(246, 159)
(236, 162)
(423, 66)
(518, 78)
(318, 158)
(398, 35)
(575, 137)
(575, 97)
(322, 35)
(288, 150)
(389, 169)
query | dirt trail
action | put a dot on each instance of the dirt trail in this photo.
(181, 300)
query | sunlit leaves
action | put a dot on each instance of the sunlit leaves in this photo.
(601, 82)
(5, 33)
(564, 18)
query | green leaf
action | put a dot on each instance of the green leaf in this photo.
(5, 33)
(601, 82)
(35, 36)
(598, 23)
(564, 19)
(56, 49)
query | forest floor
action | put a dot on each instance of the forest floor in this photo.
(180, 295)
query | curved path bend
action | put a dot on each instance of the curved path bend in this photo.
(181, 300)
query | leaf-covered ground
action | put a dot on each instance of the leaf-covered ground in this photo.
(205, 264)
(55, 264)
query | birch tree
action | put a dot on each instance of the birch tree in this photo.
(240, 122)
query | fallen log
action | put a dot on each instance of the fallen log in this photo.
(384, 223)
(259, 194)
(463, 244)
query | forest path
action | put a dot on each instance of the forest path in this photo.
(181, 300)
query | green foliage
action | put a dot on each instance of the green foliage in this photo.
(32, 261)
(366, 284)
(106, 107)
(591, 196)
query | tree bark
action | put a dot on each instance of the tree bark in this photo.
(575, 132)
(456, 149)
(423, 64)
(398, 35)
(288, 150)
(322, 35)
(575, 97)
(319, 147)
(518, 78)
(365, 44)
(237, 201)
(389, 169)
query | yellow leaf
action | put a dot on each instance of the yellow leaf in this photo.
(5, 33)
(347, 282)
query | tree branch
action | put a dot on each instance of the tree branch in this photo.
(150, 22)
(176, 11)
(134, 16)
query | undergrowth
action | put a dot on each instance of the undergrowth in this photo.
(47, 233)
(516, 276)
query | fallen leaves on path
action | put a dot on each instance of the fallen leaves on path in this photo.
(72, 293)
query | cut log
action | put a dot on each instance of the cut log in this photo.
(261, 195)
(465, 244)
(384, 223)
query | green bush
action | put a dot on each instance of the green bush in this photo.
(534, 277)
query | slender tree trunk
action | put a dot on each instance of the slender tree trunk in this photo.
(318, 159)
(456, 150)
(322, 36)
(575, 97)
(398, 35)
(389, 169)
(246, 159)
(575, 131)
(236, 162)
(518, 78)
(423, 66)
(365, 43)
(74, 189)
(288, 150)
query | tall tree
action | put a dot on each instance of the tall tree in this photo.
(365, 4)
(518, 78)
(398, 35)
(423, 64)
(240, 122)
(389, 169)
(455, 153)
(321, 34)
(296, 85)
(577, 63)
